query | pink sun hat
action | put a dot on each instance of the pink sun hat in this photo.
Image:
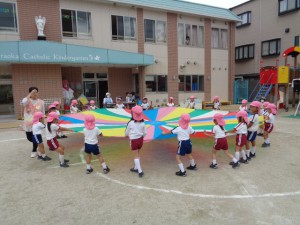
(216, 98)
(243, 114)
(137, 113)
(51, 106)
(37, 116)
(92, 102)
(220, 119)
(89, 122)
(171, 98)
(256, 104)
(244, 101)
(52, 116)
(56, 103)
(273, 108)
(192, 97)
(184, 121)
(74, 102)
(266, 104)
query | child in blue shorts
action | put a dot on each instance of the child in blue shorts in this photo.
(184, 144)
(37, 129)
(91, 134)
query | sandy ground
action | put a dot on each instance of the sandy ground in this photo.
(266, 191)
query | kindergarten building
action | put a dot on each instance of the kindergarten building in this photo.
(155, 48)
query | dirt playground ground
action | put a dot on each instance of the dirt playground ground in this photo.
(265, 191)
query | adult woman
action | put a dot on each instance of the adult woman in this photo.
(31, 104)
(107, 101)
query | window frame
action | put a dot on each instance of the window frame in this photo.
(155, 32)
(220, 42)
(199, 32)
(249, 18)
(156, 77)
(14, 30)
(243, 58)
(123, 37)
(200, 87)
(278, 47)
(297, 7)
(76, 34)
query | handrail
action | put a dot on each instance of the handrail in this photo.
(259, 83)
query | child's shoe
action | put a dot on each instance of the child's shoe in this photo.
(252, 155)
(134, 170)
(235, 165)
(33, 154)
(47, 158)
(64, 165)
(264, 145)
(106, 170)
(181, 174)
(141, 174)
(244, 161)
(192, 167)
(66, 160)
(88, 171)
(64, 136)
(260, 134)
(213, 166)
(248, 158)
(231, 163)
(40, 157)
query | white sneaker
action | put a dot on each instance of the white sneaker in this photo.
(33, 154)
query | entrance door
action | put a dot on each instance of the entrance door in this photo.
(6, 95)
(103, 88)
(91, 90)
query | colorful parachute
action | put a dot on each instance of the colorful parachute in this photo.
(112, 122)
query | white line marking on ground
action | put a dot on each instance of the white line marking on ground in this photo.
(199, 195)
(13, 139)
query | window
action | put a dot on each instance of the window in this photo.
(155, 31)
(190, 35)
(286, 6)
(8, 17)
(123, 28)
(244, 52)
(190, 83)
(156, 83)
(76, 23)
(296, 41)
(246, 19)
(219, 38)
(270, 47)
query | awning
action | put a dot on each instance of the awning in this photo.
(60, 53)
(292, 51)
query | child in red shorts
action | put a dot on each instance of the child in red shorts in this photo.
(220, 141)
(241, 136)
(51, 132)
(136, 131)
(269, 120)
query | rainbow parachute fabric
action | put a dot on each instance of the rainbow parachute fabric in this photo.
(113, 122)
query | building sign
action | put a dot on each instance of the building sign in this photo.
(53, 52)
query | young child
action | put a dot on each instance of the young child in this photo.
(128, 97)
(191, 103)
(37, 129)
(263, 112)
(73, 107)
(53, 144)
(119, 104)
(145, 104)
(92, 105)
(136, 131)
(170, 103)
(241, 138)
(216, 103)
(220, 141)
(184, 144)
(269, 120)
(51, 108)
(60, 134)
(91, 134)
(252, 129)
(244, 106)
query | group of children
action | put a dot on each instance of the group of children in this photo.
(246, 131)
